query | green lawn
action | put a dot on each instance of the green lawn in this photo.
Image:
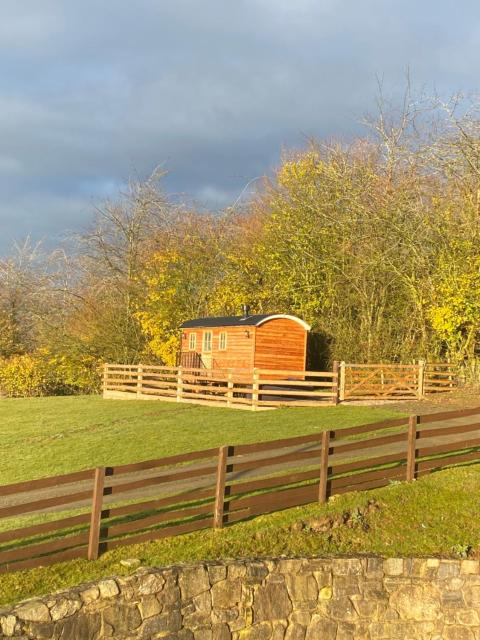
(436, 515)
(46, 436)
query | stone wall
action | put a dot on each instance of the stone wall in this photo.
(277, 599)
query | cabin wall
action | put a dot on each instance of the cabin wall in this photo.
(238, 354)
(280, 344)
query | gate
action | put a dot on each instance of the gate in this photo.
(382, 381)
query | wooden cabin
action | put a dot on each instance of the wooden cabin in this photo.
(266, 341)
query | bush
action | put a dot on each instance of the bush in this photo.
(45, 374)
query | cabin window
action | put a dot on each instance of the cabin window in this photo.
(207, 341)
(192, 342)
(222, 341)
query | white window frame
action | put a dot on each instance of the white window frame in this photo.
(192, 341)
(222, 341)
(206, 343)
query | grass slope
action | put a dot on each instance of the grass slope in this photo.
(437, 515)
(47, 436)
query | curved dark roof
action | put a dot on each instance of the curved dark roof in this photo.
(239, 321)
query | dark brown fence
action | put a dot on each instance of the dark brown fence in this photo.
(86, 513)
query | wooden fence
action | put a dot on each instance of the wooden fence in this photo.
(239, 388)
(267, 388)
(85, 513)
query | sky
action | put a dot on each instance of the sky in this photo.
(93, 92)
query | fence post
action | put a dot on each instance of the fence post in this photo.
(220, 487)
(255, 388)
(335, 380)
(323, 485)
(105, 377)
(411, 447)
(421, 379)
(139, 379)
(341, 382)
(230, 389)
(179, 384)
(96, 515)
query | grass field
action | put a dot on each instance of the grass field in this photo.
(47, 436)
(438, 515)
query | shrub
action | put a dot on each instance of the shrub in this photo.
(44, 374)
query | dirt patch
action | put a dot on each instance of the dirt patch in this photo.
(465, 398)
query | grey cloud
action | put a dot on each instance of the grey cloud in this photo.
(94, 91)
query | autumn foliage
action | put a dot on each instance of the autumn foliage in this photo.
(374, 243)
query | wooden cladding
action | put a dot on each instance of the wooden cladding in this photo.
(86, 513)
(263, 388)
(277, 343)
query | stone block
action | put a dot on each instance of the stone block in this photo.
(417, 602)
(202, 633)
(321, 629)
(236, 571)
(302, 588)
(278, 632)
(375, 566)
(108, 588)
(193, 580)
(256, 572)
(325, 593)
(33, 611)
(457, 632)
(150, 584)
(271, 602)
(78, 626)
(301, 617)
(392, 583)
(468, 617)
(391, 631)
(289, 567)
(149, 606)
(373, 590)
(165, 622)
(346, 631)
(170, 594)
(452, 599)
(64, 608)
(448, 569)
(365, 608)
(261, 631)
(393, 566)
(347, 567)
(122, 618)
(203, 602)
(7, 624)
(343, 609)
(221, 632)
(345, 585)
(90, 594)
(226, 594)
(433, 563)
(470, 567)
(295, 632)
(472, 596)
(217, 573)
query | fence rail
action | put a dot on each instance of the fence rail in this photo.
(267, 388)
(85, 513)
(254, 389)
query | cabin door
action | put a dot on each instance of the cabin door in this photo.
(207, 349)
(207, 360)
